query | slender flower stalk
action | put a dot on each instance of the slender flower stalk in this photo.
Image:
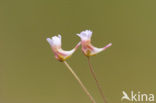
(90, 50)
(79, 81)
(97, 82)
(61, 55)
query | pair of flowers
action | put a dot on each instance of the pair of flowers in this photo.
(87, 48)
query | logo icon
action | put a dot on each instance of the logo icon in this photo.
(138, 96)
(125, 96)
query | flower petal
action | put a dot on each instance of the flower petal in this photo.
(59, 36)
(85, 35)
(49, 40)
(56, 40)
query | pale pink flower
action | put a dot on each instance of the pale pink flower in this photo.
(60, 54)
(87, 48)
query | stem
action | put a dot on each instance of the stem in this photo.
(79, 81)
(97, 83)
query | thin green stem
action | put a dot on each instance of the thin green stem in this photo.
(79, 81)
(97, 82)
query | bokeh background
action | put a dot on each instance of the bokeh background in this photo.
(30, 74)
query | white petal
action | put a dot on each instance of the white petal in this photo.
(79, 35)
(85, 35)
(56, 40)
(50, 41)
(88, 33)
(59, 36)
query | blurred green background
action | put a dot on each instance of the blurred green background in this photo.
(29, 72)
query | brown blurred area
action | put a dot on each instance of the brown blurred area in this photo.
(29, 72)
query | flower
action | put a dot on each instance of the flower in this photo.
(60, 54)
(87, 48)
